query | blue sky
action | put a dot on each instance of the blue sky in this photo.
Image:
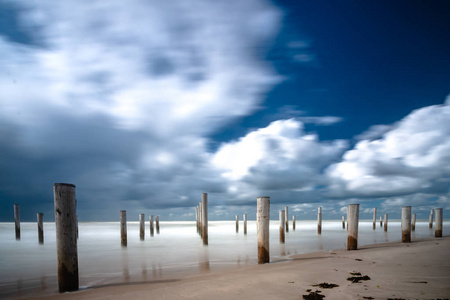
(144, 105)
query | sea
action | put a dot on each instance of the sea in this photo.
(28, 268)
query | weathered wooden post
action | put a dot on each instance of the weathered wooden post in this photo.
(385, 222)
(157, 224)
(196, 218)
(293, 223)
(152, 228)
(17, 220)
(439, 221)
(282, 225)
(142, 226)
(123, 228)
(406, 224)
(381, 221)
(343, 222)
(205, 218)
(66, 236)
(352, 221)
(286, 217)
(245, 223)
(374, 217)
(237, 223)
(40, 223)
(262, 228)
(319, 220)
(431, 218)
(201, 218)
(413, 222)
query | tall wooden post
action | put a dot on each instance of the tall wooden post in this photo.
(66, 236)
(431, 218)
(439, 222)
(40, 223)
(157, 224)
(293, 223)
(17, 220)
(319, 220)
(262, 228)
(205, 218)
(286, 217)
(282, 225)
(413, 222)
(385, 222)
(245, 223)
(152, 228)
(123, 228)
(374, 218)
(352, 221)
(237, 223)
(142, 226)
(201, 218)
(406, 224)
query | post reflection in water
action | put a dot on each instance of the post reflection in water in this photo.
(203, 261)
(144, 271)
(320, 243)
(43, 284)
(125, 271)
(386, 238)
(282, 249)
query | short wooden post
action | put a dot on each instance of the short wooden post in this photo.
(431, 218)
(352, 221)
(406, 224)
(413, 222)
(245, 223)
(66, 236)
(17, 220)
(385, 222)
(205, 218)
(319, 220)
(374, 218)
(157, 224)
(282, 225)
(40, 223)
(262, 228)
(293, 223)
(381, 221)
(152, 228)
(237, 223)
(123, 228)
(439, 222)
(343, 222)
(286, 217)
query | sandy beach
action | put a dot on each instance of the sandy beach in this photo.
(417, 270)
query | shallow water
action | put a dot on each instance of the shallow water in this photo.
(28, 268)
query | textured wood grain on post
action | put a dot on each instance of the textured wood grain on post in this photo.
(142, 226)
(40, 225)
(374, 218)
(17, 220)
(205, 218)
(237, 223)
(152, 227)
(413, 222)
(286, 217)
(352, 221)
(66, 236)
(123, 228)
(406, 224)
(431, 219)
(385, 222)
(282, 225)
(245, 223)
(262, 228)
(157, 224)
(319, 220)
(293, 223)
(439, 222)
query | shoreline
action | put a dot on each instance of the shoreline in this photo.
(417, 270)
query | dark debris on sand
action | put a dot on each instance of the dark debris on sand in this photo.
(355, 279)
(326, 285)
(313, 295)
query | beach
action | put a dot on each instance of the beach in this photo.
(417, 270)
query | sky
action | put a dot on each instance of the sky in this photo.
(145, 105)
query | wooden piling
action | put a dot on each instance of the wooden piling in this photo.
(245, 223)
(152, 228)
(293, 223)
(66, 236)
(40, 225)
(431, 219)
(352, 221)
(237, 223)
(406, 224)
(343, 222)
(157, 224)
(319, 220)
(123, 228)
(282, 225)
(17, 220)
(413, 222)
(385, 222)
(205, 218)
(439, 222)
(374, 218)
(262, 228)
(381, 221)
(201, 218)
(286, 217)
(142, 226)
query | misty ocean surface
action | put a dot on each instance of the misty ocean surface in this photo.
(28, 268)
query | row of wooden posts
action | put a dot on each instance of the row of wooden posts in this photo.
(123, 227)
(66, 229)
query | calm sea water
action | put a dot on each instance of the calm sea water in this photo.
(29, 268)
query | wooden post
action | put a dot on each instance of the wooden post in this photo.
(152, 228)
(142, 226)
(439, 222)
(374, 217)
(413, 222)
(245, 223)
(66, 236)
(352, 221)
(406, 224)
(381, 221)
(157, 224)
(17, 220)
(262, 228)
(123, 228)
(205, 218)
(431, 219)
(196, 218)
(282, 225)
(237, 223)
(319, 220)
(286, 217)
(343, 222)
(385, 222)
(201, 218)
(293, 223)
(40, 223)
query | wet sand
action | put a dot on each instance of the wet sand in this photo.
(417, 270)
